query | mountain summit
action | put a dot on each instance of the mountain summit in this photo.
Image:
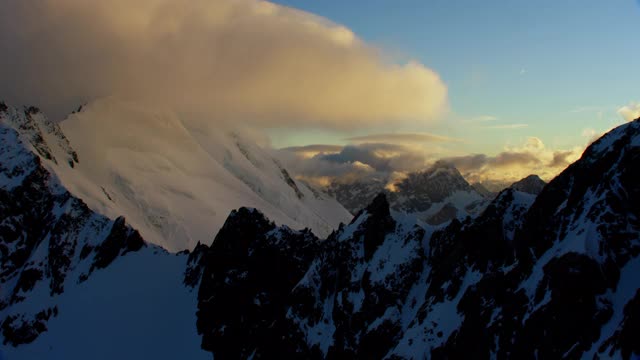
(532, 184)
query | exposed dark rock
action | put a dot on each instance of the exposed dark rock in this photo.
(248, 273)
(532, 184)
(377, 225)
(291, 183)
(120, 240)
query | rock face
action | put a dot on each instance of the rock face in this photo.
(272, 292)
(248, 274)
(532, 184)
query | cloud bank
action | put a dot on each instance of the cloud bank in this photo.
(234, 60)
(393, 161)
(514, 163)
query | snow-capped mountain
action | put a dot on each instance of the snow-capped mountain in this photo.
(549, 274)
(174, 180)
(436, 195)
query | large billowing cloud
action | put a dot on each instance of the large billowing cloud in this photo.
(248, 60)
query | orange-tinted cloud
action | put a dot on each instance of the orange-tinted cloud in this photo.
(630, 112)
(513, 164)
(225, 60)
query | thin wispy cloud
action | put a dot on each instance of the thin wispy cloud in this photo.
(507, 126)
(402, 138)
(320, 148)
(483, 118)
(309, 151)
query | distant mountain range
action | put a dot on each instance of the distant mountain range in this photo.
(539, 271)
(435, 196)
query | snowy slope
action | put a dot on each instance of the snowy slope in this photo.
(73, 283)
(137, 308)
(176, 181)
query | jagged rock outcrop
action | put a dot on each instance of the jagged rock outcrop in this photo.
(247, 276)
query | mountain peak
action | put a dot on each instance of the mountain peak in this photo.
(379, 205)
(443, 164)
(624, 135)
(532, 184)
(240, 228)
(443, 168)
(44, 136)
(434, 184)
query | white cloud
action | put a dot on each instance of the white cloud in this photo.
(484, 118)
(630, 112)
(224, 60)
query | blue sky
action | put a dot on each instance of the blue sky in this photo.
(559, 67)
